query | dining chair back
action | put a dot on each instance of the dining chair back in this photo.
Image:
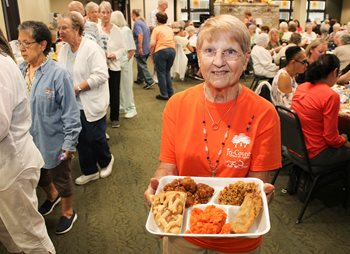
(264, 90)
(292, 138)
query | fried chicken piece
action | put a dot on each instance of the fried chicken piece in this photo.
(196, 193)
(189, 184)
(248, 212)
(204, 193)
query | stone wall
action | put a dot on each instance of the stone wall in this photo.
(268, 13)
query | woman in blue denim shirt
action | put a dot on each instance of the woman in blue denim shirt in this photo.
(55, 119)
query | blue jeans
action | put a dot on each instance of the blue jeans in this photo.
(142, 69)
(163, 61)
(93, 148)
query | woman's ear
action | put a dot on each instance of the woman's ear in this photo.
(199, 58)
(43, 45)
(336, 72)
(246, 60)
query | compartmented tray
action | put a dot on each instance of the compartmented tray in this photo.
(261, 224)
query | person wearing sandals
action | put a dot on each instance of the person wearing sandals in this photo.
(55, 119)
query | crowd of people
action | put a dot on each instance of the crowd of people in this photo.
(49, 110)
(307, 65)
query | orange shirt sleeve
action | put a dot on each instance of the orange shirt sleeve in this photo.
(266, 154)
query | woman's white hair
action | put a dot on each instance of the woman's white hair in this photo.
(106, 5)
(160, 2)
(336, 26)
(227, 25)
(90, 5)
(117, 18)
(190, 29)
(283, 24)
(262, 39)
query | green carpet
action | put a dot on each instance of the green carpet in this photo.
(112, 212)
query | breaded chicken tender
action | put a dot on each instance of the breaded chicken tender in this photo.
(248, 212)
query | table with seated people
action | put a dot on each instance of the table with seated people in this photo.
(344, 112)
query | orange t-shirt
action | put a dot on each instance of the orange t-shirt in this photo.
(253, 144)
(163, 37)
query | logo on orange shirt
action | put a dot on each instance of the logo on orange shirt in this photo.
(238, 157)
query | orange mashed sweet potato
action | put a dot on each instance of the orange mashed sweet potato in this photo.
(211, 220)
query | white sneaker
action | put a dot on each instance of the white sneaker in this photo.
(83, 179)
(107, 136)
(131, 114)
(104, 172)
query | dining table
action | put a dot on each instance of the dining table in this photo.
(344, 112)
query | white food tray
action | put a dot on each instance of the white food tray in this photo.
(260, 226)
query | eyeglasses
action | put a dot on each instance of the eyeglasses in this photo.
(227, 54)
(25, 44)
(305, 62)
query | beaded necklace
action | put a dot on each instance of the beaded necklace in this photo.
(214, 166)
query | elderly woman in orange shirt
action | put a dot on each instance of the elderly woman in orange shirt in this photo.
(202, 124)
(163, 50)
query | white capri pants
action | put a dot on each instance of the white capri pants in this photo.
(22, 228)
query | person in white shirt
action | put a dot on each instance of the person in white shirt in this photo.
(90, 28)
(113, 45)
(262, 60)
(92, 13)
(22, 228)
(127, 103)
(295, 40)
(342, 51)
(308, 36)
(291, 29)
(86, 62)
(162, 6)
(192, 57)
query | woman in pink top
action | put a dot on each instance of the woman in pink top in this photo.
(163, 50)
(317, 106)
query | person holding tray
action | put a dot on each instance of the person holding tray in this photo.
(219, 128)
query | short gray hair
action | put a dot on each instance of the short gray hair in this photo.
(77, 20)
(345, 39)
(105, 4)
(283, 24)
(160, 2)
(117, 18)
(190, 29)
(90, 5)
(262, 39)
(76, 6)
(336, 26)
(229, 25)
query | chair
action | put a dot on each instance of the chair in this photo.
(293, 139)
(180, 62)
(264, 90)
(256, 80)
